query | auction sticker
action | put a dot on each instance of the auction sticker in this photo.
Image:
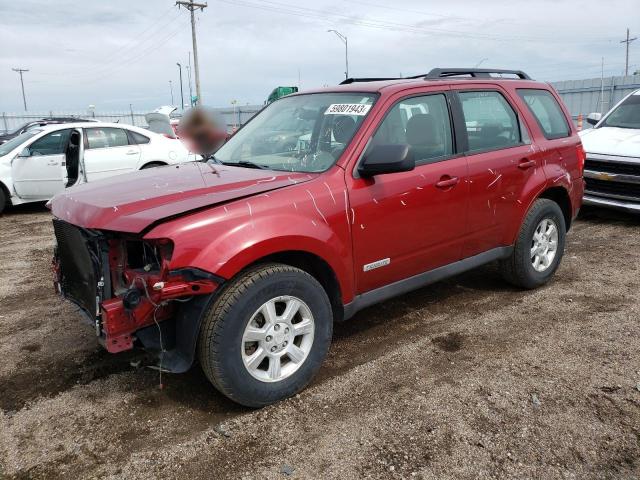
(347, 109)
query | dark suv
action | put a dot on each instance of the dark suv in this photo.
(246, 261)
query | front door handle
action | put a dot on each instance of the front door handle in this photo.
(447, 182)
(526, 163)
(131, 152)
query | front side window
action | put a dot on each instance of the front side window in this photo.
(490, 121)
(301, 133)
(626, 115)
(106, 137)
(548, 113)
(54, 143)
(423, 123)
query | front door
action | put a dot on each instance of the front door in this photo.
(37, 171)
(107, 152)
(407, 223)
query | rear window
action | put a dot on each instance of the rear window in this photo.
(490, 121)
(548, 113)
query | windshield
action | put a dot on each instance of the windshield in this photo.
(16, 141)
(303, 133)
(626, 115)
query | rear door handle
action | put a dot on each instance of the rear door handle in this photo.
(446, 181)
(131, 152)
(525, 163)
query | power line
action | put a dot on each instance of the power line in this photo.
(289, 9)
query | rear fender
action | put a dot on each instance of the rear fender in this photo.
(547, 176)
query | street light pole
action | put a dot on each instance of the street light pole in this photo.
(171, 88)
(181, 94)
(189, 77)
(20, 72)
(346, 51)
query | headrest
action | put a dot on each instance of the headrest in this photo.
(421, 130)
(343, 128)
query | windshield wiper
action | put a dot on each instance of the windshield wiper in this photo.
(244, 163)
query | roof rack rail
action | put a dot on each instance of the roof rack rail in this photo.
(473, 72)
(372, 79)
(381, 79)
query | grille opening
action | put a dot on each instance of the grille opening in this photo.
(142, 256)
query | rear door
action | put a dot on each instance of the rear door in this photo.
(501, 162)
(37, 171)
(410, 222)
(108, 152)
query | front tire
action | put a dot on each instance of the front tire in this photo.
(539, 247)
(3, 200)
(266, 335)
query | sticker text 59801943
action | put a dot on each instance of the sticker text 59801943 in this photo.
(347, 109)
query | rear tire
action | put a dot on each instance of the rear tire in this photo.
(266, 335)
(539, 247)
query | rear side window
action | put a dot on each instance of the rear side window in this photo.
(490, 121)
(548, 113)
(106, 138)
(137, 138)
(422, 123)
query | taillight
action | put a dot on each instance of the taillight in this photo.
(580, 153)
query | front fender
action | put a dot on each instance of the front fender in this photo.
(309, 218)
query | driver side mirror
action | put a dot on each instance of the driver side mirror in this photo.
(382, 159)
(24, 153)
(593, 118)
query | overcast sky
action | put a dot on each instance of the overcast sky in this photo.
(119, 52)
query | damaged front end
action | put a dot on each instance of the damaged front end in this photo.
(125, 288)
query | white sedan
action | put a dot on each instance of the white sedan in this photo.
(42, 162)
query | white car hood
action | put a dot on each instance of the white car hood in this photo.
(624, 142)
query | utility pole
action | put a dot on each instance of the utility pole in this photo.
(627, 41)
(189, 77)
(181, 94)
(346, 51)
(191, 6)
(20, 72)
(171, 88)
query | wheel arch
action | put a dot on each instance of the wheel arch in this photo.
(315, 266)
(154, 163)
(560, 195)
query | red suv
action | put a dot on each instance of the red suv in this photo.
(324, 203)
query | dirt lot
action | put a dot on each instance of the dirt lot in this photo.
(468, 378)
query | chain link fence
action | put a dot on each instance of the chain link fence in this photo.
(234, 117)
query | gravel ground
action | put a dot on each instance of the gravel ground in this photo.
(468, 378)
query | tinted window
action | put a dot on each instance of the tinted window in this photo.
(490, 121)
(138, 137)
(53, 143)
(106, 137)
(627, 115)
(423, 123)
(548, 113)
